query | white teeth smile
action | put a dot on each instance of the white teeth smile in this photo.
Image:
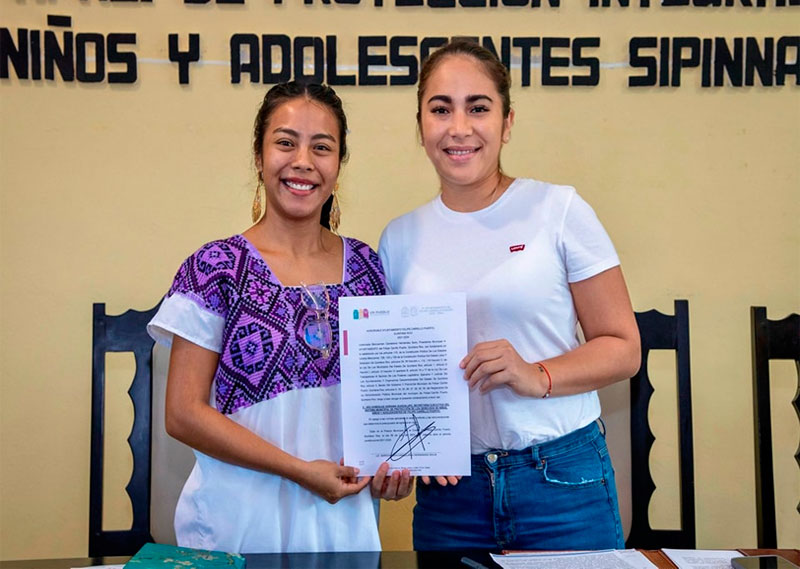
(296, 186)
(459, 152)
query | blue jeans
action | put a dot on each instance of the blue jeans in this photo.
(556, 495)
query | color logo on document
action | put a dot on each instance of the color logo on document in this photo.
(360, 313)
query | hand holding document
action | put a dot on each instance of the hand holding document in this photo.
(404, 399)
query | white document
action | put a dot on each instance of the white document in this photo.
(701, 558)
(613, 559)
(404, 398)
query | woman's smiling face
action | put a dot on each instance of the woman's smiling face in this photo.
(462, 123)
(299, 162)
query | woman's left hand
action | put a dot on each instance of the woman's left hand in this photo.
(394, 487)
(492, 364)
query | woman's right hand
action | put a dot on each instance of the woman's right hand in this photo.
(442, 480)
(332, 481)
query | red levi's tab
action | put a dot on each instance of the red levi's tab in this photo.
(515, 248)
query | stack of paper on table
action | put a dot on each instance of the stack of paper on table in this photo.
(701, 558)
(612, 559)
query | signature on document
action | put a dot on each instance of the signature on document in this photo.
(411, 437)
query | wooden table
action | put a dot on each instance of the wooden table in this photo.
(359, 560)
(661, 560)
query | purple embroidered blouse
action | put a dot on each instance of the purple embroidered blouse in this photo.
(262, 352)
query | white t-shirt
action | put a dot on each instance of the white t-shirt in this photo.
(514, 260)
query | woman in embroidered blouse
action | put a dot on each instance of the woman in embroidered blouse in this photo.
(253, 382)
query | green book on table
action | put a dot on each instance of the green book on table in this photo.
(159, 556)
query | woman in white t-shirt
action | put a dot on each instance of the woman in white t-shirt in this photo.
(534, 261)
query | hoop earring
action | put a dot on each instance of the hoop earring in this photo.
(256, 212)
(335, 215)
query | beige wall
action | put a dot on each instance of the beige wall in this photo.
(104, 190)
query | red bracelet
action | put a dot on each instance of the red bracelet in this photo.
(549, 380)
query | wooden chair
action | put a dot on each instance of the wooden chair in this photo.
(661, 332)
(123, 333)
(771, 340)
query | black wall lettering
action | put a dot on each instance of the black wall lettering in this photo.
(55, 56)
(98, 47)
(397, 59)
(36, 55)
(184, 58)
(505, 49)
(705, 73)
(663, 76)
(16, 53)
(59, 21)
(331, 57)
(525, 45)
(786, 65)
(727, 63)
(579, 60)
(551, 3)
(239, 43)
(649, 62)
(300, 45)
(128, 58)
(270, 43)
(679, 61)
(756, 60)
(549, 61)
(365, 60)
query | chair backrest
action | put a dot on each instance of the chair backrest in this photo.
(661, 332)
(123, 333)
(772, 340)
